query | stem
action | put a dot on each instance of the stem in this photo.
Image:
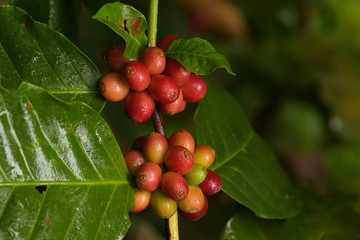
(171, 224)
(153, 15)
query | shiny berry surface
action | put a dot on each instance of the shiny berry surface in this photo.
(136, 75)
(155, 147)
(174, 186)
(212, 183)
(179, 159)
(148, 177)
(154, 60)
(113, 88)
(163, 89)
(139, 106)
(195, 89)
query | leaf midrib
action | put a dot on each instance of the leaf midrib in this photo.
(243, 146)
(63, 183)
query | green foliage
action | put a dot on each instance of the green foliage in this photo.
(329, 217)
(31, 52)
(197, 55)
(60, 15)
(129, 23)
(248, 168)
(55, 141)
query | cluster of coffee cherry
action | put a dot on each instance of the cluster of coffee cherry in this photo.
(139, 82)
(172, 174)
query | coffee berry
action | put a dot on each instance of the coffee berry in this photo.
(152, 77)
(172, 174)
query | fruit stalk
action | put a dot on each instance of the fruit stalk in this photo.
(153, 15)
(171, 224)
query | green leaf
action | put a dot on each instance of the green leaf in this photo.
(126, 21)
(329, 217)
(69, 152)
(32, 52)
(343, 165)
(197, 55)
(248, 168)
(60, 15)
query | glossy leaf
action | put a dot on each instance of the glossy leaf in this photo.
(329, 217)
(197, 55)
(247, 166)
(126, 21)
(32, 52)
(62, 173)
(60, 15)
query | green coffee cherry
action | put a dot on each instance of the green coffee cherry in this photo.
(197, 175)
(163, 206)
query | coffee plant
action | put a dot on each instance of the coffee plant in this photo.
(118, 120)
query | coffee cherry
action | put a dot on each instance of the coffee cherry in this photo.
(195, 216)
(174, 107)
(182, 138)
(148, 177)
(179, 159)
(142, 200)
(197, 175)
(113, 88)
(212, 183)
(195, 89)
(154, 60)
(136, 75)
(183, 106)
(134, 160)
(177, 71)
(139, 143)
(155, 147)
(174, 186)
(163, 206)
(165, 42)
(163, 89)
(204, 155)
(194, 201)
(114, 57)
(139, 106)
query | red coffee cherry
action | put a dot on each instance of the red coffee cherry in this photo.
(136, 75)
(142, 200)
(174, 107)
(212, 183)
(139, 143)
(163, 206)
(195, 216)
(194, 201)
(148, 177)
(204, 155)
(155, 147)
(174, 186)
(114, 57)
(154, 60)
(195, 89)
(139, 106)
(134, 160)
(182, 138)
(165, 42)
(179, 159)
(113, 88)
(163, 89)
(177, 71)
